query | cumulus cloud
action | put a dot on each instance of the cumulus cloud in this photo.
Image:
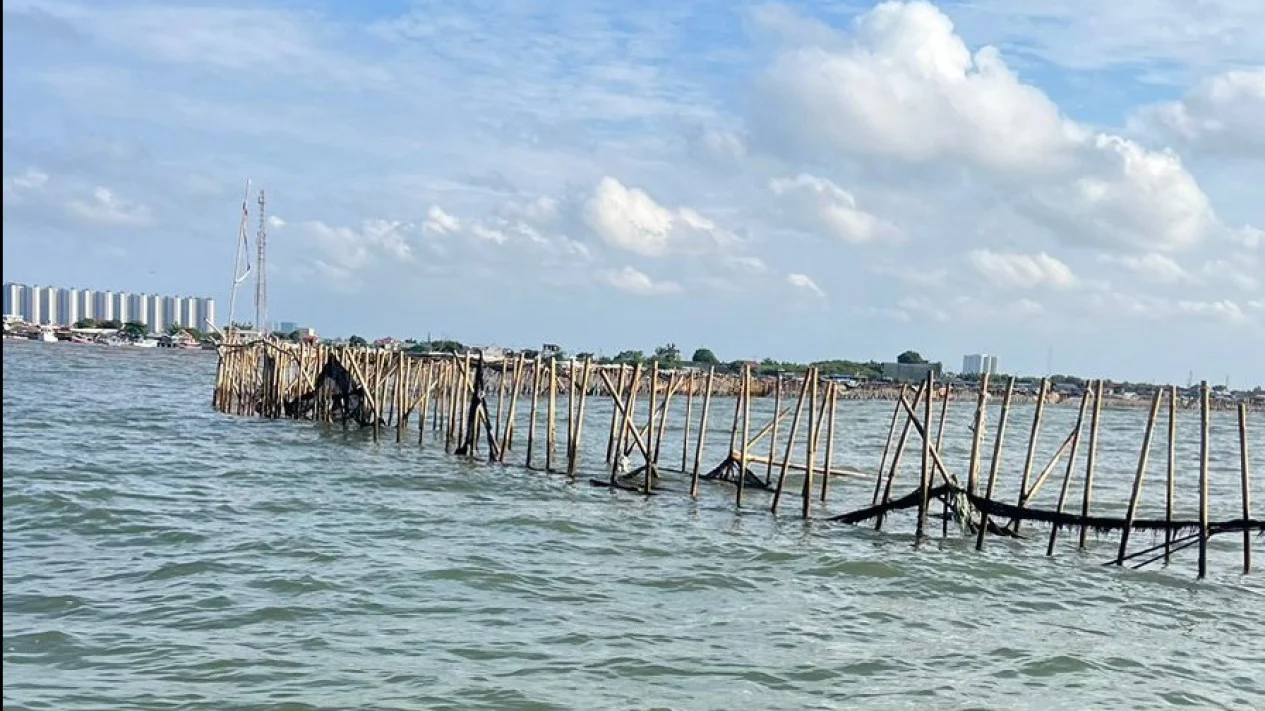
(1021, 271)
(344, 250)
(908, 89)
(629, 219)
(439, 222)
(106, 208)
(635, 282)
(804, 283)
(1223, 114)
(1153, 267)
(816, 204)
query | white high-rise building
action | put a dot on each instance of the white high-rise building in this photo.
(13, 299)
(103, 306)
(122, 304)
(978, 364)
(139, 308)
(172, 311)
(206, 314)
(31, 304)
(49, 305)
(68, 307)
(87, 303)
(189, 313)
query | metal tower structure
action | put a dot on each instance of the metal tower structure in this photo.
(261, 274)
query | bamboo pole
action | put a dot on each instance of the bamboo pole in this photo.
(807, 493)
(790, 443)
(977, 434)
(574, 455)
(833, 396)
(777, 410)
(550, 424)
(702, 433)
(626, 419)
(746, 432)
(1172, 471)
(689, 414)
(617, 394)
(996, 462)
(1071, 464)
(674, 382)
(1136, 492)
(944, 416)
(900, 450)
(507, 438)
(1032, 448)
(887, 445)
(1203, 479)
(1089, 465)
(1245, 481)
(424, 408)
(650, 413)
(924, 486)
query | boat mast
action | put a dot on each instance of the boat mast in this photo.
(240, 259)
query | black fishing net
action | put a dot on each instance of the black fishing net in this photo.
(347, 397)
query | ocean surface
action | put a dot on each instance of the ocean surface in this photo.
(158, 555)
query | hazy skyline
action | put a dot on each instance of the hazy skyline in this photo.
(799, 181)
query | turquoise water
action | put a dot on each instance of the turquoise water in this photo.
(158, 555)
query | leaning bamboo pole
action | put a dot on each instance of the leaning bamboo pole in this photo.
(996, 463)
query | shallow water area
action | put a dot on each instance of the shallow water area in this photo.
(160, 555)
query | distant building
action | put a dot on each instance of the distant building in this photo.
(287, 327)
(909, 372)
(978, 364)
(49, 305)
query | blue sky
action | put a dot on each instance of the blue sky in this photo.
(798, 180)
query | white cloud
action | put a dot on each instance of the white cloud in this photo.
(15, 186)
(804, 283)
(106, 208)
(345, 250)
(630, 220)
(747, 265)
(635, 282)
(276, 222)
(439, 222)
(1223, 114)
(1244, 273)
(818, 204)
(1021, 271)
(1153, 267)
(1223, 310)
(909, 90)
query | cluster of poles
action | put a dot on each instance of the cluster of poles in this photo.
(453, 397)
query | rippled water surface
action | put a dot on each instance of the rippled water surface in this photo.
(160, 555)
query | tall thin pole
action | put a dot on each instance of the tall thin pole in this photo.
(261, 276)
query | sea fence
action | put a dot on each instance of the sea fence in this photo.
(783, 441)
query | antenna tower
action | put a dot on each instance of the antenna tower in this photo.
(261, 275)
(241, 258)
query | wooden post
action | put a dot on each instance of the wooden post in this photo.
(1089, 465)
(650, 412)
(535, 398)
(616, 396)
(777, 409)
(790, 443)
(1172, 470)
(1032, 449)
(1245, 480)
(833, 396)
(626, 420)
(574, 455)
(924, 487)
(887, 445)
(900, 450)
(550, 425)
(1203, 479)
(702, 432)
(745, 401)
(996, 463)
(689, 414)
(936, 463)
(507, 438)
(981, 403)
(811, 447)
(1137, 477)
(1071, 464)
